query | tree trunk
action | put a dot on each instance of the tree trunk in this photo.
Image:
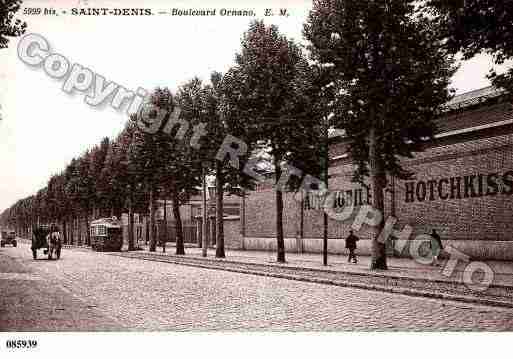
(80, 239)
(164, 240)
(64, 234)
(88, 233)
(180, 250)
(153, 240)
(130, 225)
(70, 230)
(379, 259)
(326, 163)
(204, 210)
(219, 211)
(147, 231)
(279, 217)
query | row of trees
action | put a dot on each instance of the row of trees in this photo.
(262, 101)
(379, 69)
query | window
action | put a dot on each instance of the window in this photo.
(102, 230)
(98, 231)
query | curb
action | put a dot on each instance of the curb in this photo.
(317, 270)
(359, 285)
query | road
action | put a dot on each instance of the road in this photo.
(88, 291)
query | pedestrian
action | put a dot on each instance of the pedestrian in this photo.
(436, 247)
(351, 245)
(162, 241)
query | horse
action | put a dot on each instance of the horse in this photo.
(54, 242)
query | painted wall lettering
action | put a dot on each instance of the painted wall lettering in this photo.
(467, 186)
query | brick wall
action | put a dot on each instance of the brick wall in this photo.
(261, 210)
(482, 210)
(232, 235)
(478, 222)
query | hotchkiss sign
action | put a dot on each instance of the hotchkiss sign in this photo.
(470, 186)
(446, 188)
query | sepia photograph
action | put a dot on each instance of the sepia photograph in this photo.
(252, 178)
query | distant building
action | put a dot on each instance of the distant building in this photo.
(191, 214)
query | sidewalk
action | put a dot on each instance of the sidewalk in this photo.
(397, 267)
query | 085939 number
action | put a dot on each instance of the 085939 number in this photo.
(21, 344)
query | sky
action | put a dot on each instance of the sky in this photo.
(43, 128)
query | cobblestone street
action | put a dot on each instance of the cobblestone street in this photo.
(132, 294)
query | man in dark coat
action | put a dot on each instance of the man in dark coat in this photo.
(436, 246)
(351, 245)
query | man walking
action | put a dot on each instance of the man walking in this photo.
(351, 245)
(436, 247)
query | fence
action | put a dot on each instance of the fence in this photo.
(188, 229)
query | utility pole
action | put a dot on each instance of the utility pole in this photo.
(204, 219)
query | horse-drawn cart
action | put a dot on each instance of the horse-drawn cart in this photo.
(106, 235)
(46, 237)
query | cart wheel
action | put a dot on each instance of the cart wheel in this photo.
(34, 254)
